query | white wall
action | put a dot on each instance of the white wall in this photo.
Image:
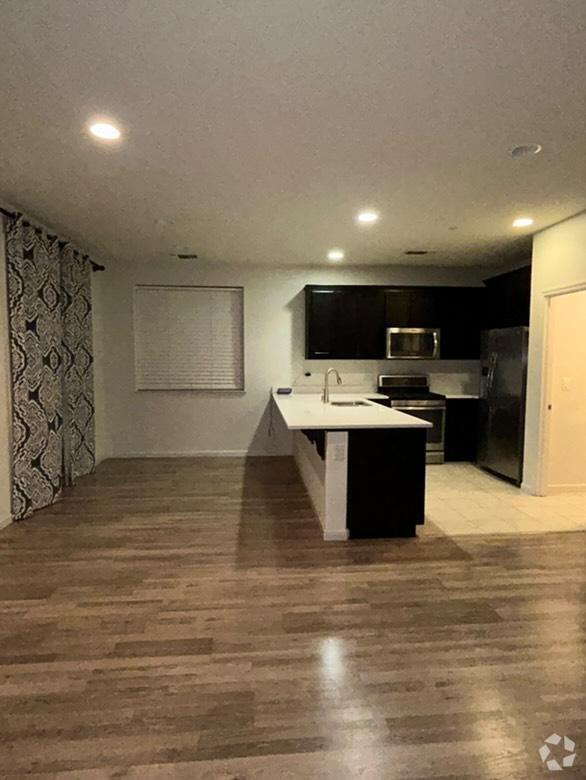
(4, 392)
(559, 261)
(566, 450)
(184, 422)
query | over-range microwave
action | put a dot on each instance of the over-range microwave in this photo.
(413, 343)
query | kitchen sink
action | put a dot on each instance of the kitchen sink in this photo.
(349, 403)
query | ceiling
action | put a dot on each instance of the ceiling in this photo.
(255, 129)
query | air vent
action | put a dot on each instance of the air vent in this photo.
(417, 252)
(526, 150)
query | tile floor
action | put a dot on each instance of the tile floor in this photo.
(462, 499)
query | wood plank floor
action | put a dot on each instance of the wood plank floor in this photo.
(184, 618)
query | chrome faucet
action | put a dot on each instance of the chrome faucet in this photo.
(325, 396)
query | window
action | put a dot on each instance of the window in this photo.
(189, 338)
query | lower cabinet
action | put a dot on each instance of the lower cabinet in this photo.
(386, 482)
(461, 432)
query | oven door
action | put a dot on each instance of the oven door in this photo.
(436, 415)
(413, 343)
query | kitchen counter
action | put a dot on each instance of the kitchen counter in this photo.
(363, 466)
(306, 411)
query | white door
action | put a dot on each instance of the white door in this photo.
(566, 446)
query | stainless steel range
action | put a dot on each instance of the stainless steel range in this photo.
(410, 393)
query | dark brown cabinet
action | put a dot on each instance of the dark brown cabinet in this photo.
(370, 325)
(412, 307)
(346, 322)
(508, 299)
(461, 430)
(327, 313)
(461, 322)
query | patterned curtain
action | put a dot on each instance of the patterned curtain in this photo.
(49, 306)
(78, 365)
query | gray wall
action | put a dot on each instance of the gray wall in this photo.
(183, 422)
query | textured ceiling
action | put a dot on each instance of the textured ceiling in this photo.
(255, 129)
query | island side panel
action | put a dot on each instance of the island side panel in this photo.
(386, 482)
(336, 479)
(312, 468)
(321, 459)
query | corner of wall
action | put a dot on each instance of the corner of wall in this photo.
(558, 262)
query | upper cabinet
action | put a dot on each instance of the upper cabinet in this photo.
(370, 323)
(412, 307)
(461, 321)
(508, 298)
(346, 322)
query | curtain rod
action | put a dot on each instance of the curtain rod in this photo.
(95, 266)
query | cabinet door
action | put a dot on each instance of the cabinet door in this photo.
(461, 322)
(412, 307)
(370, 323)
(397, 308)
(508, 299)
(330, 321)
(461, 434)
(424, 309)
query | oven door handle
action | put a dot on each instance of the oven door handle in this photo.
(435, 345)
(439, 408)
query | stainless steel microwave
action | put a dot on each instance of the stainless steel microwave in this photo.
(413, 343)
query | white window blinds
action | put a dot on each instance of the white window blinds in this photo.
(189, 338)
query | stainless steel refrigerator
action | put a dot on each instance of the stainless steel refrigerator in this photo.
(503, 383)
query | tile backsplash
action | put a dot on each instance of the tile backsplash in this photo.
(446, 376)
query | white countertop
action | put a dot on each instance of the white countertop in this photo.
(306, 410)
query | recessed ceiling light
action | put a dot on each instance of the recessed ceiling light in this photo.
(367, 217)
(522, 222)
(335, 255)
(526, 150)
(105, 131)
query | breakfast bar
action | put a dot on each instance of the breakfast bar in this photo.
(362, 463)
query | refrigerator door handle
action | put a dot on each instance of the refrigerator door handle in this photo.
(492, 368)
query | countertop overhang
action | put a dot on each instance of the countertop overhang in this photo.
(307, 411)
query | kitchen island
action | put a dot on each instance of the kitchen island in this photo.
(363, 464)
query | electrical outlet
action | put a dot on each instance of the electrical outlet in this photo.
(339, 453)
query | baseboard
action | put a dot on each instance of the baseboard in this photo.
(5, 522)
(336, 536)
(553, 490)
(190, 454)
